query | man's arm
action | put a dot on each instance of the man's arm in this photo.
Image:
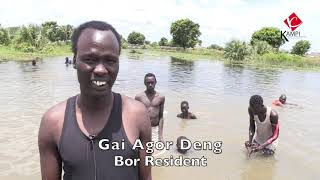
(252, 126)
(193, 116)
(275, 129)
(145, 136)
(50, 160)
(161, 119)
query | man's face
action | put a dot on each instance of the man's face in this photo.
(150, 83)
(257, 109)
(97, 61)
(283, 100)
(184, 107)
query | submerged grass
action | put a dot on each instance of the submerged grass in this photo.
(188, 55)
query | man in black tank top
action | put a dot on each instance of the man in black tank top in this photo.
(74, 134)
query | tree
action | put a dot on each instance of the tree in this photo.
(236, 50)
(163, 42)
(271, 35)
(136, 38)
(64, 33)
(301, 47)
(51, 30)
(185, 33)
(4, 37)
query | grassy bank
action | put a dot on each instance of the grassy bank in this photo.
(10, 53)
(271, 60)
(284, 60)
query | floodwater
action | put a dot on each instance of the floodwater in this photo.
(218, 95)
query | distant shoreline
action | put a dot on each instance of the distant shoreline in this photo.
(270, 60)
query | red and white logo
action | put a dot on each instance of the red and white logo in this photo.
(293, 21)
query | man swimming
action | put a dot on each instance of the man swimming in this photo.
(282, 101)
(263, 129)
(154, 102)
(179, 144)
(185, 114)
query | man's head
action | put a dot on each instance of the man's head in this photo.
(96, 46)
(283, 98)
(256, 104)
(179, 144)
(184, 107)
(150, 81)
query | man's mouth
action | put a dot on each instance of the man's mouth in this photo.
(99, 83)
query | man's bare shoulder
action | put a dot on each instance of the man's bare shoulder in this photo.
(132, 106)
(140, 95)
(159, 95)
(52, 120)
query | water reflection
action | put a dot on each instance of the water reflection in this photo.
(181, 74)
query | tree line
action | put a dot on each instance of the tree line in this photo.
(185, 33)
(34, 37)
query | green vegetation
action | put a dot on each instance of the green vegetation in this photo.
(163, 42)
(271, 35)
(10, 53)
(215, 46)
(136, 38)
(34, 41)
(236, 50)
(301, 47)
(185, 33)
(49, 39)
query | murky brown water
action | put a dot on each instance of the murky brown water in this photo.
(218, 94)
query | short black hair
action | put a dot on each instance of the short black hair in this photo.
(150, 75)
(283, 96)
(100, 25)
(180, 138)
(256, 99)
(184, 102)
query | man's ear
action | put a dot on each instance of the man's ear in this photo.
(74, 62)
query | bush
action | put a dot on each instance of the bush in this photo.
(236, 50)
(301, 47)
(25, 47)
(282, 59)
(4, 37)
(262, 47)
(215, 46)
(124, 45)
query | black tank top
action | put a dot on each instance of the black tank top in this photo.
(81, 156)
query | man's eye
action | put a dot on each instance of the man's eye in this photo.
(89, 61)
(110, 62)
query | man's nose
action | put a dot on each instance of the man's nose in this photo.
(100, 70)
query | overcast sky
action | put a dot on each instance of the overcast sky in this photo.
(220, 21)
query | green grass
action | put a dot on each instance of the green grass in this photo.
(9, 53)
(285, 60)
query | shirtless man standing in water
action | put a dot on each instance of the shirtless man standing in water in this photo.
(154, 102)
